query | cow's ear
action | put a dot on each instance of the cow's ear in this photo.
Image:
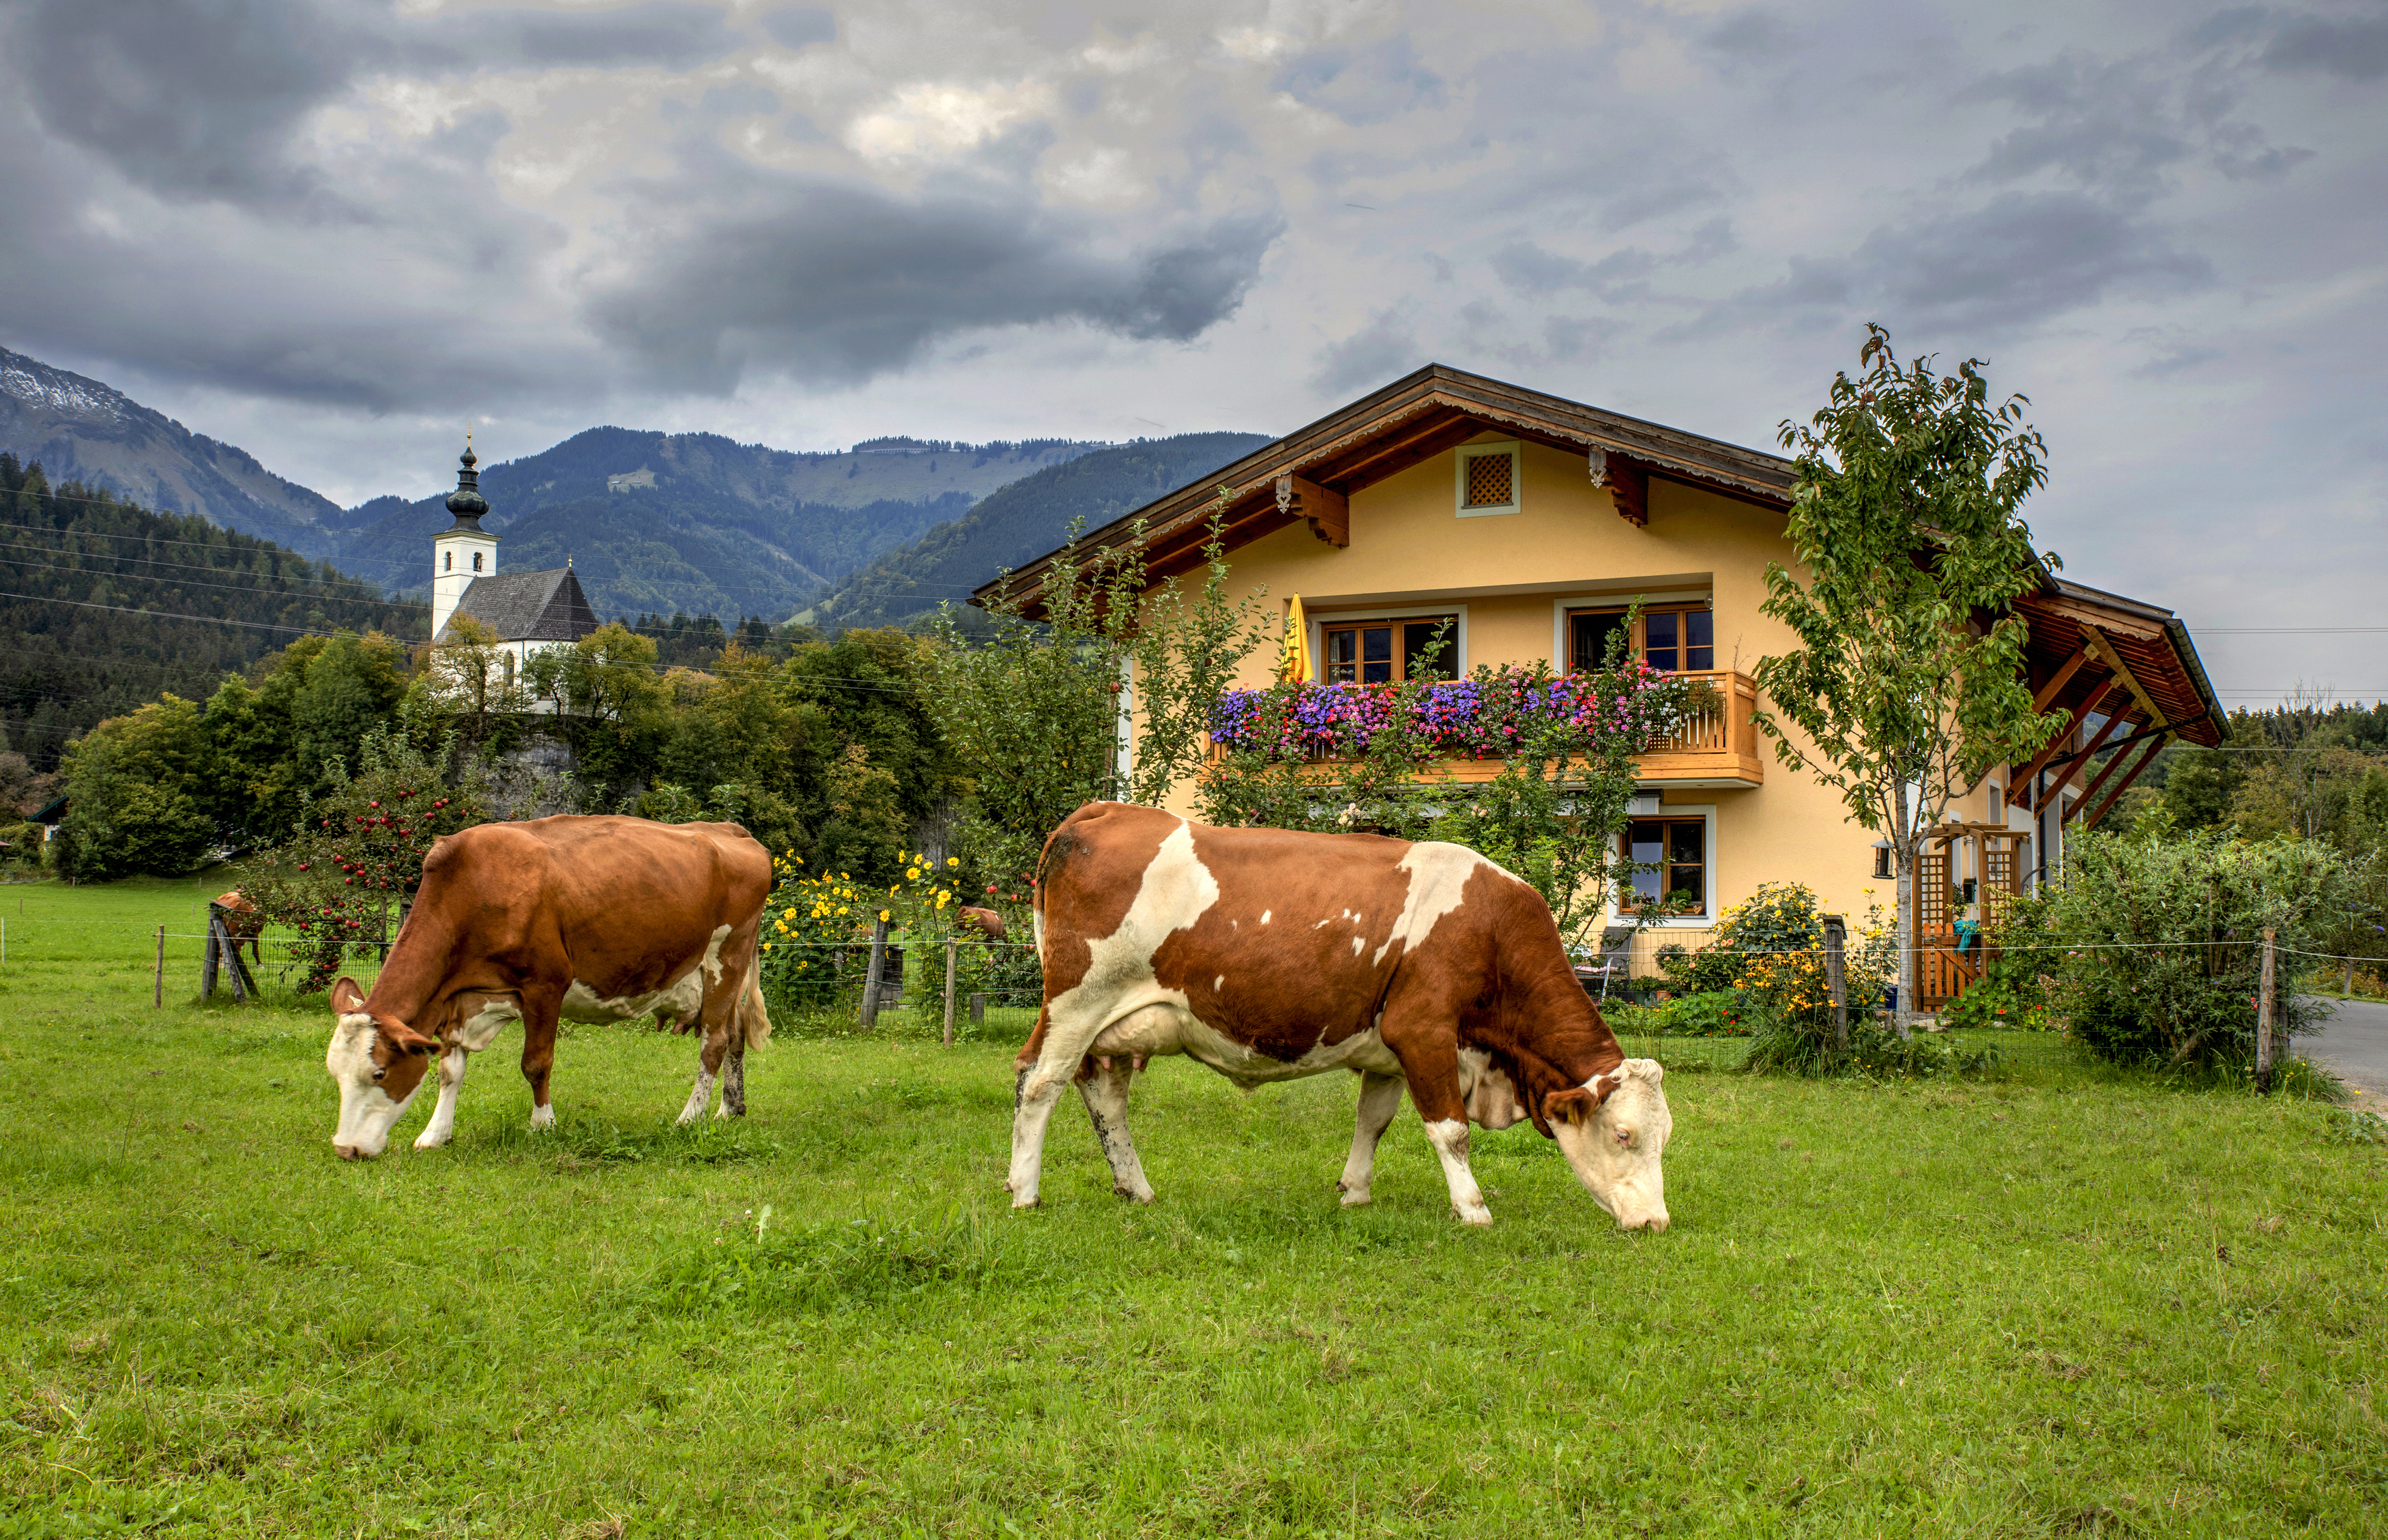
(346, 998)
(1571, 1105)
(404, 1037)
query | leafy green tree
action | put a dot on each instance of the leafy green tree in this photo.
(1907, 683)
(473, 678)
(346, 874)
(134, 797)
(610, 702)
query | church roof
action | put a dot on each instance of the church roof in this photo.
(527, 606)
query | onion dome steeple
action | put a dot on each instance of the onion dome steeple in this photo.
(466, 502)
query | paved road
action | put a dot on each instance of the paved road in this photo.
(2353, 1045)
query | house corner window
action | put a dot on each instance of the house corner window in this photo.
(476, 561)
(447, 561)
(1388, 652)
(1488, 480)
(1671, 860)
(1675, 640)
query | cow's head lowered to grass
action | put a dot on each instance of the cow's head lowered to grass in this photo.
(379, 1064)
(1613, 1132)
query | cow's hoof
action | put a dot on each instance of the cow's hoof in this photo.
(429, 1143)
(1020, 1203)
(543, 1117)
(1355, 1197)
(1481, 1218)
(1132, 1195)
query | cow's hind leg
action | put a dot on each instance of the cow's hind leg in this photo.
(712, 1049)
(733, 1079)
(1381, 1098)
(442, 1127)
(1047, 1064)
(1104, 1085)
(539, 1018)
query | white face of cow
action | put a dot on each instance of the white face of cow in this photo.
(377, 1074)
(1614, 1150)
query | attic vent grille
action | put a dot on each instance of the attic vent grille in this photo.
(1489, 481)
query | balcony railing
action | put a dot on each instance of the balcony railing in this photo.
(1717, 744)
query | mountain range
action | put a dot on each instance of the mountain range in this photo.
(657, 523)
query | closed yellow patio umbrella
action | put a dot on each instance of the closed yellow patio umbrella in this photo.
(1297, 643)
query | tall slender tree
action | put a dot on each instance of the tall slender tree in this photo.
(1907, 684)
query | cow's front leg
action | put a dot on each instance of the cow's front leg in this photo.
(1104, 1085)
(538, 1017)
(442, 1127)
(1381, 1098)
(1423, 1039)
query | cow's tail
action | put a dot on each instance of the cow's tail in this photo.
(754, 1020)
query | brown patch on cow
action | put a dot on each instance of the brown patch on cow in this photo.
(1496, 967)
(986, 923)
(622, 905)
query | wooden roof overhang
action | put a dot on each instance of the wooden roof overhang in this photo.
(1311, 474)
(2132, 663)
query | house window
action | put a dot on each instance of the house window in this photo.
(1488, 480)
(1673, 856)
(510, 667)
(447, 561)
(1388, 652)
(1679, 639)
(476, 561)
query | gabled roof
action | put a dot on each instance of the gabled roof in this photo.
(2141, 662)
(1413, 419)
(527, 606)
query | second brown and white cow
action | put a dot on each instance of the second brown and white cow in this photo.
(590, 919)
(1270, 955)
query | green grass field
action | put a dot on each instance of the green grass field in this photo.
(2068, 1302)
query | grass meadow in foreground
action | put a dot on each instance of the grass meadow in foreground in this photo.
(2069, 1302)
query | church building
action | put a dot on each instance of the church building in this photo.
(528, 611)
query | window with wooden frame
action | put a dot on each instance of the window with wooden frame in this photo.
(1675, 638)
(1388, 652)
(1488, 479)
(1671, 860)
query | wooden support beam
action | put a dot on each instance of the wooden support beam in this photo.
(2072, 765)
(1377, 460)
(1329, 512)
(2105, 773)
(2050, 749)
(2155, 746)
(2058, 680)
(1629, 487)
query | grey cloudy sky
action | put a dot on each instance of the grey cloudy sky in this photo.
(332, 231)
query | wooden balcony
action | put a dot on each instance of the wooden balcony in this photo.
(1717, 747)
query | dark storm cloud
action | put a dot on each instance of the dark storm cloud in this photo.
(833, 282)
(800, 27)
(2021, 259)
(1365, 86)
(1386, 348)
(2123, 127)
(196, 100)
(2357, 50)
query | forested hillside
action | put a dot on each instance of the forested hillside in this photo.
(695, 521)
(1021, 522)
(103, 605)
(85, 431)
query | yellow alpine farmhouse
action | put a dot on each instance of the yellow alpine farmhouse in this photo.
(1532, 524)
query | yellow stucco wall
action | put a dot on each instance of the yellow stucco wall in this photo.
(1410, 550)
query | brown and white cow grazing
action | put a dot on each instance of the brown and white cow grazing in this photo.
(590, 919)
(1269, 955)
(242, 922)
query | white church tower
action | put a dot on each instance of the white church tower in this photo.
(464, 550)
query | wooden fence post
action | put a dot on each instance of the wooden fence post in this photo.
(1836, 981)
(871, 977)
(951, 943)
(207, 961)
(157, 996)
(2264, 1003)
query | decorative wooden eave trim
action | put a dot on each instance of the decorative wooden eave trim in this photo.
(1413, 419)
(1329, 512)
